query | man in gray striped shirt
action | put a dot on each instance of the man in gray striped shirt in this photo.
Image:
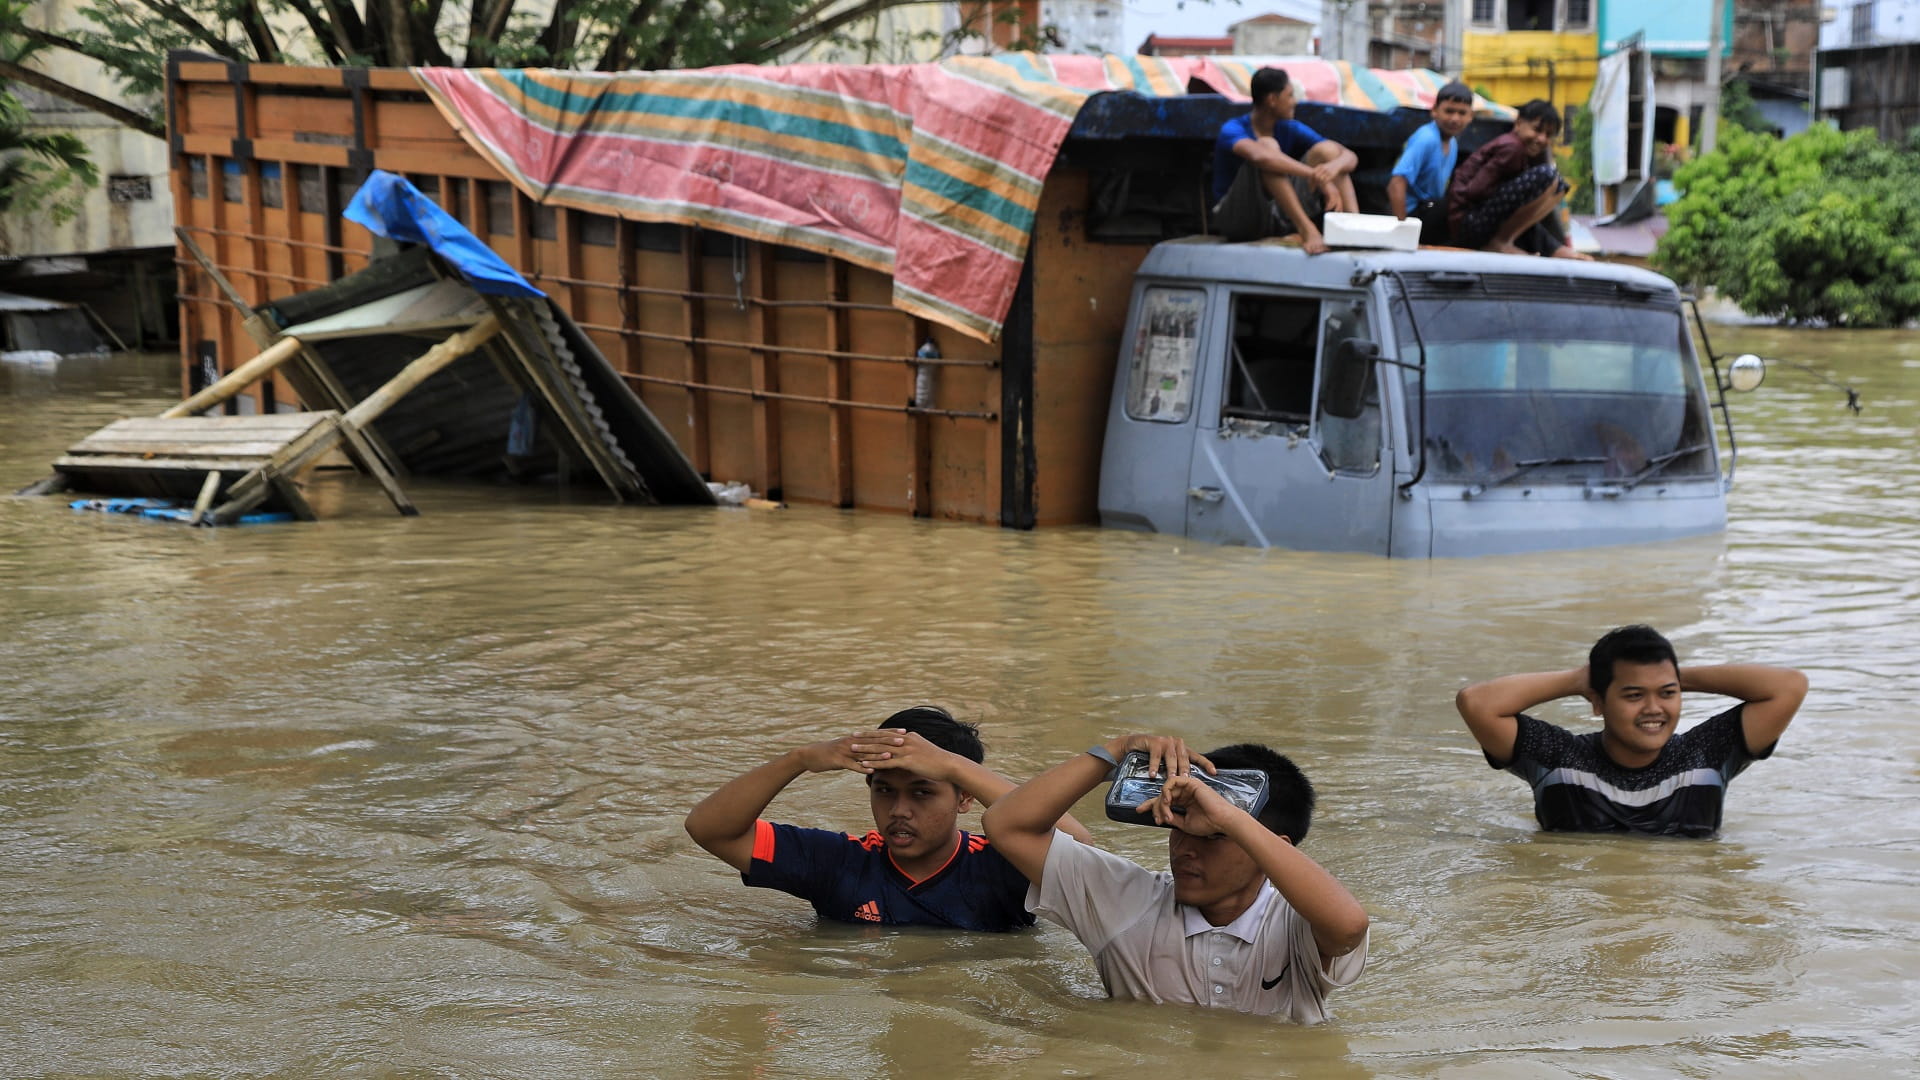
(1635, 774)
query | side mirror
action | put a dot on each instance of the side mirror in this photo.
(1746, 372)
(1349, 375)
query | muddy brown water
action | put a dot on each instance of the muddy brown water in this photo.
(402, 797)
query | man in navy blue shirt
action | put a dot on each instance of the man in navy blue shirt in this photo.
(1259, 158)
(1634, 774)
(1418, 186)
(917, 867)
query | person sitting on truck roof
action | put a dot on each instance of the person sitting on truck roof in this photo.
(917, 867)
(1634, 774)
(1418, 187)
(1503, 192)
(1241, 919)
(1268, 167)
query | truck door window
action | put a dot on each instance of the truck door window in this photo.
(1166, 345)
(1270, 359)
(1348, 445)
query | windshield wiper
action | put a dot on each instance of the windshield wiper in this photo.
(1655, 464)
(1522, 467)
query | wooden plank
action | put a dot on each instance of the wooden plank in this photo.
(214, 426)
(359, 449)
(208, 490)
(699, 436)
(252, 448)
(839, 417)
(765, 374)
(290, 494)
(136, 464)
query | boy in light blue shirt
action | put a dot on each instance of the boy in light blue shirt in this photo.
(1418, 187)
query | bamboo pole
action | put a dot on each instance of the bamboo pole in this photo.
(420, 370)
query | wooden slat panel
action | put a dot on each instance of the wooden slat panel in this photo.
(303, 153)
(282, 117)
(170, 448)
(158, 464)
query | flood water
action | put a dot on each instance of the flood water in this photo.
(402, 797)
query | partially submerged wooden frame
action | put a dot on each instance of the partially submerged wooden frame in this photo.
(268, 451)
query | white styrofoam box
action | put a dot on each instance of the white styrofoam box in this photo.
(1372, 231)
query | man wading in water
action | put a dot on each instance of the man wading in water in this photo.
(1634, 774)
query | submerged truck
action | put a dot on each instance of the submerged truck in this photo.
(981, 291)
(1412, 404)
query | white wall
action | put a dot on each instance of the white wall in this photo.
(1893, 21)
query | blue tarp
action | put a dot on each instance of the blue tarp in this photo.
(166, 510)
(390, 206)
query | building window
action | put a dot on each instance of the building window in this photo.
(1484, 11)
(125, 189)
(1862, 24)
(1530, 14)
(1579, 13)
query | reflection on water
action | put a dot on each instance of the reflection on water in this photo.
(400, 795)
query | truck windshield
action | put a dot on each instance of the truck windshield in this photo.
(1556, 392)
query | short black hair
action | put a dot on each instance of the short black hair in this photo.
(1455, 91)
(1268, 80)
(1541, 114)
(937, 726)
(1636, 644)
(1289, 808)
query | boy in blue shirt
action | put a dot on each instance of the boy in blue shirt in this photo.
(917, 867)
(1263, 160)
(1419, 183)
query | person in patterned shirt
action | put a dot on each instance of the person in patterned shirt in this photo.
(917, 867)
(1635, 774)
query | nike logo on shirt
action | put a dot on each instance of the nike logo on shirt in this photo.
(1268, 984)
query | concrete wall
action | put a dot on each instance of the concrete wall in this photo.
(113, 215)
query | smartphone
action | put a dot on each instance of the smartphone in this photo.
(1244, 788)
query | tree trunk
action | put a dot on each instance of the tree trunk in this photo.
(119, 113)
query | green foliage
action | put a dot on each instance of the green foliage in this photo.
(1737, 108)
(1822, 227)
(40, 171)
(1580, 164)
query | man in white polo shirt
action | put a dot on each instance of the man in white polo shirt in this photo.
(1242, 919)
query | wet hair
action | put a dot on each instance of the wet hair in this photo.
(1455, 91)
(1267, 80)
(1289, 808)
(1635, 644)
(937, 726)
(1541, 114)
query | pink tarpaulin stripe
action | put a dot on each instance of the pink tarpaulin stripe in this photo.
(776, 189)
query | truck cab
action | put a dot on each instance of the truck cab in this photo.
(1417, 404)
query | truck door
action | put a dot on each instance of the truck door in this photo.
(1284, 456)
(1143, 466)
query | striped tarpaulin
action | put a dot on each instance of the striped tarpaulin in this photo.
(928, 172)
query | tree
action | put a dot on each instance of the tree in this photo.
(38, 170)
(131, 38)
(1821, 227)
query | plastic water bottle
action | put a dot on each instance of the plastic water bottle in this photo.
(923, 374)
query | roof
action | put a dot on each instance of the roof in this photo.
(1271, 17)
(16, 302)
(1268, 262)
(1161, 41)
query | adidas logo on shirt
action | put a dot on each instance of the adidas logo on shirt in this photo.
(869, 911)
